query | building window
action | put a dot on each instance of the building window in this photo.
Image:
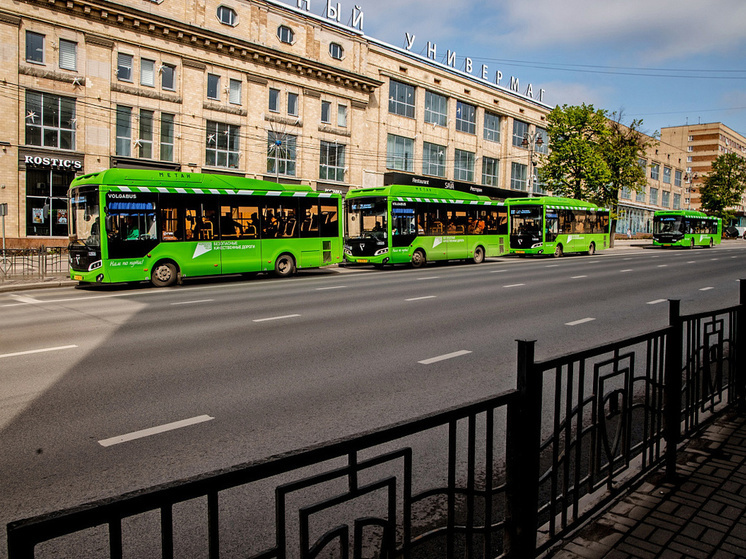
(213, 87)
(666, 175)
(463, 166)
(68, 55)
(342, 115)
(677, 178)
(490, 171)
(625, 193)
(640, 196)
(147, 72)
(689, 148)
(433, 159)
(46, 202)
(167, 137)
(691, 138)
(124, 67)
(234, 93)
(336, 51)
(50, 120)
(518, 176)
(655, 170)
(326, 112)
(281, 154)
(665, 199)
(168, 77)
(466, 117)
(642, 163)
(677, 201)
(520, 131)
(293, 104)
(491, 127)
(654, 196)
(124, 131)
(285, 34)
(332, 162)
(145, 141)
(401, 99)
(399, 153)
(221, 147)
(274, 100)
(227, 15)
(436, 109)
(34, 47)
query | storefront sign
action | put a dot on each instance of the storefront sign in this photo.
(52, 162)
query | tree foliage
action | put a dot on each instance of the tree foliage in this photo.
(624, 147)
(723, 187)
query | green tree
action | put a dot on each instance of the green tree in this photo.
(576, 166)
(723, 187)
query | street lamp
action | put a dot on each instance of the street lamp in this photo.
(530, 141)
(689, 177)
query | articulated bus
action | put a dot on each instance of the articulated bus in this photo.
(399, 224)
(135, 225)
(555, 226)
(686, 228)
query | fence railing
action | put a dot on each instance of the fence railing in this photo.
(506, 476)
(33, 263)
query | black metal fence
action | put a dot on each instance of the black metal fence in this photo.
(38, 263)
(506, 476)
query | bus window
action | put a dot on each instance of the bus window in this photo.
(170, 230)
(280, 218)
(551, 226)
(309, 217)
(330, 219)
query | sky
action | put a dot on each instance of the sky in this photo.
(667, 62)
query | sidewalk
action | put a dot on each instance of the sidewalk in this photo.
(702, 515)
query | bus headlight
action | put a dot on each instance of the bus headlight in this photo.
(537, 245)
(381, 251)
(95, 266)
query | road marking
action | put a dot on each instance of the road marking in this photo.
(706, 288)
(25, 299)
(714, 259)
(421, 298)
(275, 318)
(515, 285)
(330, 287)
(552, 266)
(656, 301)
(155, 430)
(32, 351)
(497, 271)
(192, 302)
(578, 277)
(628, 270)
(581, 321)
(662, 265)
(428, 278)
(444, 357)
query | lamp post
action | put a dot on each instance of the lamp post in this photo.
(689, 177)
(530, 141)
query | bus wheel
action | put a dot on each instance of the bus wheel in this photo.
(418, 259)
(478, 255)
(592, 249)
(558, 251)
(163, 274)
(284, 266)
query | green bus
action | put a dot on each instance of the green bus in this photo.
(400, 224)
(549, 225)
(686, 228)
(134, 225)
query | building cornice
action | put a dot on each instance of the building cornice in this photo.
(211, 42)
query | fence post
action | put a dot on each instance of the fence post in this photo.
(740, 349)
(522, 465)
(672, 386)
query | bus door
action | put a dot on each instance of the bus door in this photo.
(131, 233)
(404, 227)
(457, 228)
(238, 245)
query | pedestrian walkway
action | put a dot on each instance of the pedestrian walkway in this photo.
(702, 515)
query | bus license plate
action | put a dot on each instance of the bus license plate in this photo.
(362, 260)
(520, 252)
(78, 278)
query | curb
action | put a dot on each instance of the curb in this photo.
(36, 285)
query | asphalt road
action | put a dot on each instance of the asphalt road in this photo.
(254, 368)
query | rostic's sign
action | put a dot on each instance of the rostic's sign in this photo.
(38, 161)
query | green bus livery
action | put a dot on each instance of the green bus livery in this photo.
(399, 224)
(549, 225)
(686, 228)
(134, 225)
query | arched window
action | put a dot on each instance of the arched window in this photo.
(285, 34)
(336, 51)
(227, 15)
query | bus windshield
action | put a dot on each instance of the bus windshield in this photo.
(366, 217)
(525, 220)
(669, 224)
(85, 228)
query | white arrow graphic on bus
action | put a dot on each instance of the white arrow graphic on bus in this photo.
(201, 249)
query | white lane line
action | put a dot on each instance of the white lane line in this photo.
(581, 321)
(155, 430)
(275, 318)
(706, 288)
(330, 287)
(25, 299)
(421, 298)
(692, 262)
(515, 285)
(627, 270)
(552, 266)
(655, 302)
(578, 277)
(430, 278)
(444, 357)
(192, 302)
(497, 271)
(712, 259)
(32, 351)
(662, 265)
